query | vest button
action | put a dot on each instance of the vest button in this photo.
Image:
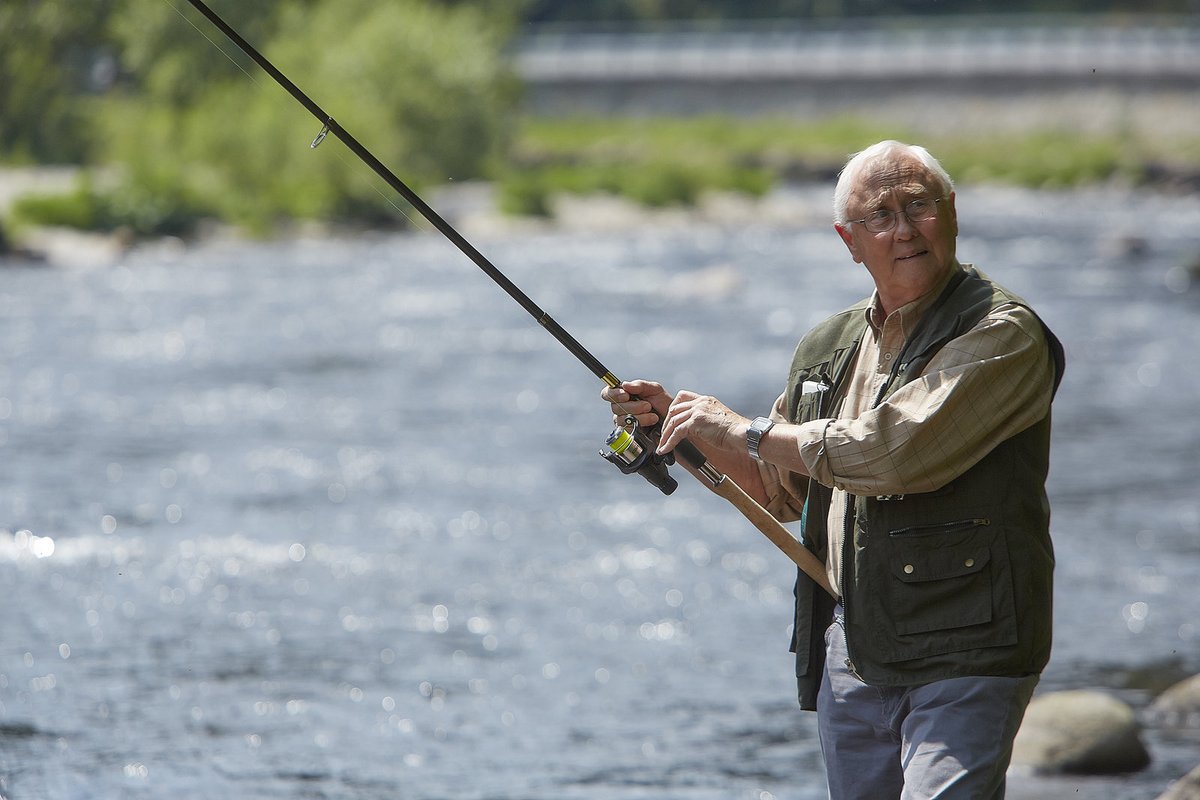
(908, 569)
(970, 562)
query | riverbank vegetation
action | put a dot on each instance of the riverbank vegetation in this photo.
(655, 162)
(184, 127)
(171, 125)
(660, 161)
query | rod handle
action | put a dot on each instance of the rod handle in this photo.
(690, 454)
(770, 527)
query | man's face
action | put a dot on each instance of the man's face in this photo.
(909, 260)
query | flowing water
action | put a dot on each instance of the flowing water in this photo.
(325, 518)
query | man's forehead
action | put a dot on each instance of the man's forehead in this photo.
(891, 174)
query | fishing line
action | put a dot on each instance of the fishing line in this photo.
(207, 38)
(320, 136)
(630, 447)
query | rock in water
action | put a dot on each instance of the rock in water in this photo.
(1186, 788)
(1180, 704)
(1079, 732)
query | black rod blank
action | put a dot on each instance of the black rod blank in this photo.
(331, 125)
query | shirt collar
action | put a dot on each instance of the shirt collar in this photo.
(907, 315)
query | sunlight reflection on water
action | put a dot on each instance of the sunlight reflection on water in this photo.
(328, 518)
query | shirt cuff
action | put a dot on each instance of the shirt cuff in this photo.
(813, 451)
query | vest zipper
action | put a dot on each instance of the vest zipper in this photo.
(847, 532)
(847, 528)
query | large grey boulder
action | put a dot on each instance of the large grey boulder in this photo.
(1079, 732)
(1180, 704)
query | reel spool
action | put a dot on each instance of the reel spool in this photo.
(631, 450)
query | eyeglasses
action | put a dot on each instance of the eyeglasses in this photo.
(884, 219)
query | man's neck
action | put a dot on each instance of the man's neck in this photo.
(886, 304)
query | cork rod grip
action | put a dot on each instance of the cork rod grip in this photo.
(773, 530)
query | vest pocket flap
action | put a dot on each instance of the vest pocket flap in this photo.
(942, 589)
(918, 566)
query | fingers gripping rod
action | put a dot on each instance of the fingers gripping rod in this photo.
(718, 482)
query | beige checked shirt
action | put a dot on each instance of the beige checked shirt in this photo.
(982, 388)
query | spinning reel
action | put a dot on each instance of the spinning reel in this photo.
(632, 449)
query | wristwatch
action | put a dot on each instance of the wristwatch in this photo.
(758, 429)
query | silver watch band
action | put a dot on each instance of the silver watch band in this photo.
(758, 429)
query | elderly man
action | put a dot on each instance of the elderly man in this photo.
(912, 442)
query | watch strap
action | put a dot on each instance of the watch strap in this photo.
(758, 429)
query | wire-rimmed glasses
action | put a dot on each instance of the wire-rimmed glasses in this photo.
(884, 219)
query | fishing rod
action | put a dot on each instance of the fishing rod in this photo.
(630, 447)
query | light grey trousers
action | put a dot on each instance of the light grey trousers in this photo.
(947, 740)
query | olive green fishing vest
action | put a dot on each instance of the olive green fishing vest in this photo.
(949, 583)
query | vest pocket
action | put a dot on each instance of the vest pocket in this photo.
(945, 578)
(810, 395)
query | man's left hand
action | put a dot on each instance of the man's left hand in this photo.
(704, 420)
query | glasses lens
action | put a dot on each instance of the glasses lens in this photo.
(921, 209)
(880, 221)
(918, 210)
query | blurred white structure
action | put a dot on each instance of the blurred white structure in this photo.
(1077, 71)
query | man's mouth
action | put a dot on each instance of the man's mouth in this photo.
(918, 254)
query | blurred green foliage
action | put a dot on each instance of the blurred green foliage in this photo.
(669, 161)
(194, 129)
(423, 84)
(170, 54)
(197, 129)
(1044, 159)
(89, 208)
(661, 161)
(52, 54)
(82, 208)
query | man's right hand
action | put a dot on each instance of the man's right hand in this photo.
(650, 406)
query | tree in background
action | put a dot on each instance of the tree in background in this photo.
(52, 54)
(422, 85)
(170, 54)
(194, 128)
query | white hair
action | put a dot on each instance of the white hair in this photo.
(858, 163)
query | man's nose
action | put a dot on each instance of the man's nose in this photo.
(905, 229)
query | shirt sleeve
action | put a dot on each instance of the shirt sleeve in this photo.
(981, 388)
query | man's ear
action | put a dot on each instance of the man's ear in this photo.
(848, 238)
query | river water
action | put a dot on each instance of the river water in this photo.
(324, 518)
